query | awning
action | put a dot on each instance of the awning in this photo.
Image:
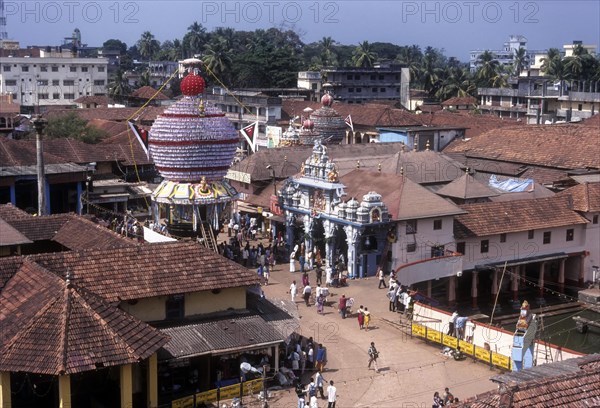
(245, 207)
(228, 335)
(523, 261)
(153, 236)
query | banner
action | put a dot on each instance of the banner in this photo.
(348, 121)
(141, 136)
(250, 133)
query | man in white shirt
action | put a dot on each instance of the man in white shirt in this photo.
(331, 395)
(293, 291)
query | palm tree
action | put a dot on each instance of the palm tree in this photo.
(489, 68)
(520, 61)
(456, 81)
(363, 55)
(430, 74)
(119, 87)
(218, 57)
(148, 45)
(328, 56)
(548, 60)
(194, 39)
(411, 57)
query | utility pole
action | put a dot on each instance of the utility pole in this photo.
(39, 124)
(264, 387)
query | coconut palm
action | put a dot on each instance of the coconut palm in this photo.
(217, 56)
(119, 87)
(520, 61)
(364, 56)
(411, 57)
(489, 68)
(328, 56)
(147, 45)
(194, 39)
(552, 55)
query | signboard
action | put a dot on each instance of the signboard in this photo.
(273, 136)
(501, 361)
(418, 330)
(450, 341)
(482, 354)
(466, 348)
(434, 335)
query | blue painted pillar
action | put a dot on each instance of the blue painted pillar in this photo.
(13, 195)
(47, 188)
(79, 190)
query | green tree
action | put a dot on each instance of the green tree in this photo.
(520, 61)
(148, 46)
(73, 127)
(114, 44)
(489, 69)
(411, 57)
(328, 56)
(194, 39)
(218, 58)
(364, 56)
(119, 88)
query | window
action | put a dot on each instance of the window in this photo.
(25, 68)
(485, 246)
(43, 68)
(84, 69)
(373, 77)
(56, 82)
(55, 69)
(381, 77)
(437, 251)
(68, 82)
(175, 307)
(411, 247)
(530, 234)
(55, 95)
(595, 219)
(381, 89)
(101, 69)
(460, 247)
(6, 68)
(547, 237)
(356, 77)
(358, 89)
(580, 107)
(350, 90)
(99, 82)
(570, 234)
(411, 226)
(73, 69)
(349, 77)
(42, 82)
(10, 82)
(43, 96)
(69, 96)
(437, 224)
(373, 89)
(502, 237)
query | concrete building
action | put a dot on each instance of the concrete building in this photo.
(361, 85)
(505, 56)
(42, 78)
(310, 80)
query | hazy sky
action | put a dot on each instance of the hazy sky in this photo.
(456, 26)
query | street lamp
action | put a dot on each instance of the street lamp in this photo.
(39, 124)
(272, 171)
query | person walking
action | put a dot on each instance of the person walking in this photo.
(293, 262)
(321, 358)
(331, 395)
(373, 356)
(367, 318)
(293, 291)
(320, 381)
(361, 317)
(319, 274)
(342, 306)
(306, 294)
(320, 303)
(381, 277)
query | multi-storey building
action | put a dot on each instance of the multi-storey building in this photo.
(52, 77)
(504, 56)
(361, 85)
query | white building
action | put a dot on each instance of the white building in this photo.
(505, 56)
(47, 78)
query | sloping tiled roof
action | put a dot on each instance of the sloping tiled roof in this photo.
(23, 153)
(147, 92)
(466, 100)
(11, 236)
(586, 197)
(93, 100)
(555, 146)
(475, 123)
(578, 388)
(404, 198)
(39, 229)
(10, 212)
(148, 114)
(493, 218)
(151, 270)
(50, 327)
(423, 167)
(220, 335)
(466, 187)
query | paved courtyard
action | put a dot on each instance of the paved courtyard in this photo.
(410, 370)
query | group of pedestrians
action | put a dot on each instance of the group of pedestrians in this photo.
(445, 399)
(364, 317)
(316, 386)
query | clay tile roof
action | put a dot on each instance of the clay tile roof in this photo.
(475, 123)
(51, 327)
(79, 233)
(423, 167)
(151, 270)
(148, 114)
(466, 100)
(147, 92)
(39, 228)
(555, 146)
(93, 100)
(404, 198)
(22, 153)
(586, 197)
(11, 236)
(466, 187)
(484, 219)
(10, 212)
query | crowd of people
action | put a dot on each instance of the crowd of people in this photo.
(445, 399)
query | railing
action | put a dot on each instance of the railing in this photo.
(219, 394)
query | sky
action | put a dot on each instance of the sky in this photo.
(455, 26)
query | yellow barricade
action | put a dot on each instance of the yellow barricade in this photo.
(229, 392)
(434, 335)
(466, 347)
(450, 341)
(501, 361)
(482, 354)
(418, 330)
